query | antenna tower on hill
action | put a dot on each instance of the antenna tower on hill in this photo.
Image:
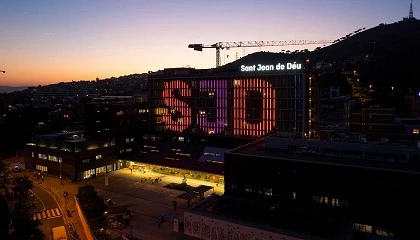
(411, 14)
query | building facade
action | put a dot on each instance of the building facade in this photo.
(71, 155)
(238, 103)
(197, 115)
(367, 190)
(121, 118)
(370, 120)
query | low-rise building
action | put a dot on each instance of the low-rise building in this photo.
(71, 155)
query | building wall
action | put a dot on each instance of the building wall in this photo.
(72, 163)
(244, 106)
(124, 122)
(361, 121)
(313, 102)
(367, 196)
(413, 105)
(203, 227)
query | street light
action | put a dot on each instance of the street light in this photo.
(60, 160)
(392, 88)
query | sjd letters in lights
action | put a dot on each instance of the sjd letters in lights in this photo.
(176, 89)
(183, 122)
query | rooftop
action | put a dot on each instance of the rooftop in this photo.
(287, 220)
(379, 156)
(74, 141)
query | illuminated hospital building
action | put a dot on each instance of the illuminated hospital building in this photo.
(200, 109)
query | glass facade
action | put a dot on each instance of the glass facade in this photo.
(249, 106)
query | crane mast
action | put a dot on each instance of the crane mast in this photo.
(227, 45)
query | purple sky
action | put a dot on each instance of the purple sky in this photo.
(44, 42)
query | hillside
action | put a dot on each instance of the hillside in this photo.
(386, 55)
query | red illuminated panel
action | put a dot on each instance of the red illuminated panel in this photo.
(176, 105)
(243, 128)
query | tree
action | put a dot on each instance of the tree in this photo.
(21, 187)
(91, 203)
(26, 228)
(4, 173)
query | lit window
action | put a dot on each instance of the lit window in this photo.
(98, 156)
(249, 188)
(86, 161)
(416, 130)
(268, 191)
(362, 227)
(41, 168)
(384, 232)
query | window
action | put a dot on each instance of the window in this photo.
(85, 161)
(42, 156)
(131, 139)
(249, 188)
(318, 199)
(127, 140)
(122, 151)
(362, 227)
(268, 191)
(416, 130)
(52, 158)
(129, 150)
(119, 113)
(335, 202)
(33, 154)
(41, 168)
(181, 139)
(211, 154)
(384, 232)
(98, 157)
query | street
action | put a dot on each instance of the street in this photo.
(52, 215)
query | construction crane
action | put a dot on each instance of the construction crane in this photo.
(227, 45)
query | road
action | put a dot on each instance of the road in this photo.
(50, 217)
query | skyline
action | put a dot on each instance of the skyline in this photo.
(48, 41)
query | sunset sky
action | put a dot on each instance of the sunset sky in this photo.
(43, 42)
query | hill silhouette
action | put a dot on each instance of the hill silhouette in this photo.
(386, 55)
